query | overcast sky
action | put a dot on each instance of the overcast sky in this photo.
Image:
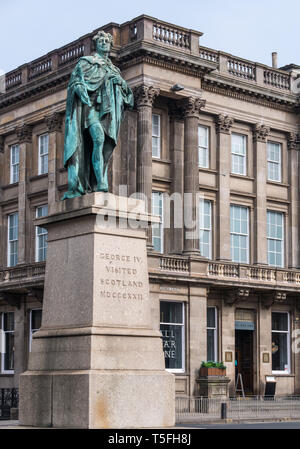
(251, 29)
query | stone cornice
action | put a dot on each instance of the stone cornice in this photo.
(145, 95)
(224, 123)
(260, 132)
(24, 134)
(191, 106)
(54, 122)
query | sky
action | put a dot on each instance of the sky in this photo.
(250, 29)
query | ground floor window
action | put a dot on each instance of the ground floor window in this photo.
(212, 334)
(280, 342)
(35, 323)
(7, 350)
(172, 329)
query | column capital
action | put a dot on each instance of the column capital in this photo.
(24, 134)
(292, 139)
(1, 144)
(224, 123)
(54, 122)
(260, 132)
(191, 106)
(145, 95)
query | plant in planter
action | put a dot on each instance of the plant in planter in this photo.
(212, 369)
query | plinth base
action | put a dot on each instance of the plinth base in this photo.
(97, 399)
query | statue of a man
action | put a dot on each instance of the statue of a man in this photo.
(96, 98)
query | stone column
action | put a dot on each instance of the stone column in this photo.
(177, 185)
(191, 110)
(228, 341)
(19, 342)
(54, 124)
(293, 177)
(223, 126)
(264, 344)
(144, 98)
(24, 134)
(260, 134)
(198, 333)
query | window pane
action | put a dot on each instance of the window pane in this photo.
(211, 345)
(279, 351)
(36, 319)
(279, 321)
(172, 345)
(171, 312)
(211, 317)
(9, 352)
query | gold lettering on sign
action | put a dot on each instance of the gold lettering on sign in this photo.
(124, 283)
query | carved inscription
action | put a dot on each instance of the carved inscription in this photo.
(120, 279)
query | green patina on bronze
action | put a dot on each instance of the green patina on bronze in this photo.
(96, 98)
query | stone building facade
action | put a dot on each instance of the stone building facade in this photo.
(207, 123)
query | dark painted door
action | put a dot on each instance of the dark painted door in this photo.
(244, 358)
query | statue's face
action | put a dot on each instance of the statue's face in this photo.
(103, 45)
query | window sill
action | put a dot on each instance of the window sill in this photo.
(236, 175)
(277, 183)
(163, 161)
(7, 374)
(10, 186)
(282, 374)
(208, 170)
(33, 178)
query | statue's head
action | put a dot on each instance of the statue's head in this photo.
(103, 42)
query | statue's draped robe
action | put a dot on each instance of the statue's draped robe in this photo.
(93, 75)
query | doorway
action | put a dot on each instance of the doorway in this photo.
(244, 358)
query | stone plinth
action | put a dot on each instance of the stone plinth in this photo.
(96, 362)
(213, 387)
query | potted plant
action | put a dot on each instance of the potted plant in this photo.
(212, 369)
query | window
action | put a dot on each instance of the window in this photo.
(203, 149)
(275, 239)
(274, 161)
(239, 234)
(156, 135)
(205, 228)
(43, 154)
(41, 236)
(172, 329)
(35, 323)
(12, 250)
(7, 353)
(212, 335)
(280, 342)
(238, 154)
(14, 163)
(157, 228)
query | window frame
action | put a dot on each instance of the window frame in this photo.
(158, 137)
(270, 161)
(38, 235)
(215, 329)
(4, 371)
(288, 332)
(183, 351)
(203, 148)
(40, 172)
(161, 224)
(9, 265)
(245, 171)
(276, 239)
(12, 165)
(240, 234)
(210, 230)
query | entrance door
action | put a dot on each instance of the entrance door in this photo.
(244, 358)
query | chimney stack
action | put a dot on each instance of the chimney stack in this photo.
(274, 60)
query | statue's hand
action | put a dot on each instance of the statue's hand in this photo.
(83, 96)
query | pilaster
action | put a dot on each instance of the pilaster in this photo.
(223, 127)
(191, 109)
(293, 176)
(54, 124)
(260, 134)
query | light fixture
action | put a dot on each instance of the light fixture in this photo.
(177, 88)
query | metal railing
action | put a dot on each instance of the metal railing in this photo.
(201, 409)
(9, 398)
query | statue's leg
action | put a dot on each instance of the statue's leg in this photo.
(73, 182)
(98, 137)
